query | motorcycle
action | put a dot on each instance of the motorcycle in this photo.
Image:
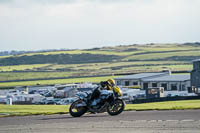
(108, 101)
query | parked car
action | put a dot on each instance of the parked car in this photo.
(41, 102)
(56, 100)
(66, 101)
(51, 101)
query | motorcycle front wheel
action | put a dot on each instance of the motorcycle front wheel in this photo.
(116, 108)
(77, 111)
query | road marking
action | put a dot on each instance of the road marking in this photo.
(141, 120)
(189, 120)
(152, 121)
(186, 120)
(172, 120)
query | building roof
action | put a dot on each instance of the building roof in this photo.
(171, 78)
(197, 60)
(141, 75)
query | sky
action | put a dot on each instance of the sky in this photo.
(82, 24)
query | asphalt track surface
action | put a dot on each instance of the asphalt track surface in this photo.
(182, 121)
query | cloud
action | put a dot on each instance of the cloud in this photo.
(55, 2)
(38, 24)
(38, 1)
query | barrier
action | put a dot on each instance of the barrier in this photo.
(162, 99)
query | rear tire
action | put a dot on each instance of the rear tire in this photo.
(116, 108)
(77, 111)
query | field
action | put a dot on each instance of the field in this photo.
(7, 110)
(57, 81)
(130, 59)
(91, 69)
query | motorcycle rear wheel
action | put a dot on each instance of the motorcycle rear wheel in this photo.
(77, 111)
(116, 108)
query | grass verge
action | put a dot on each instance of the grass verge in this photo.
(23, 110)
(56, 81)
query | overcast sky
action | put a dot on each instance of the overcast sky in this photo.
(70, 24)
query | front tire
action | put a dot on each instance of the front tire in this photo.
(77, 111)
(116, 108)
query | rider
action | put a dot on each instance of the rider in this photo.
(104, 85)
(107, 85)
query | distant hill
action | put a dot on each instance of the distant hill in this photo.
(58, 66)
(149, 52)
(57, 59)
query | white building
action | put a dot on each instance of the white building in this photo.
(3, 99)
(65, 91)
(132, 94)
(32, 98)
(170, 82)
(21, 96)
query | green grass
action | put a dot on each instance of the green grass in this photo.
(162, 55)
(32, 75)
(119, 50)
(54, 67)
(89, 69)
(80, 52)
(23, 67)
(57, 81)
(123, 65)
(21, 110)
(170, 105)
(167, 47)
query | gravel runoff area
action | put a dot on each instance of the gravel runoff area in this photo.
(174, 121)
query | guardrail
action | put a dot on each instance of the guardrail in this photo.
(165, 99)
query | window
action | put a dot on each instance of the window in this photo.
(135, 83)
(145, 86)
(118, 82)
(126, 83)
(125, 94)
(183, 88)
(180, 88)
(173, 87)
(190, 90)
(154, 84)
(164, 85)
